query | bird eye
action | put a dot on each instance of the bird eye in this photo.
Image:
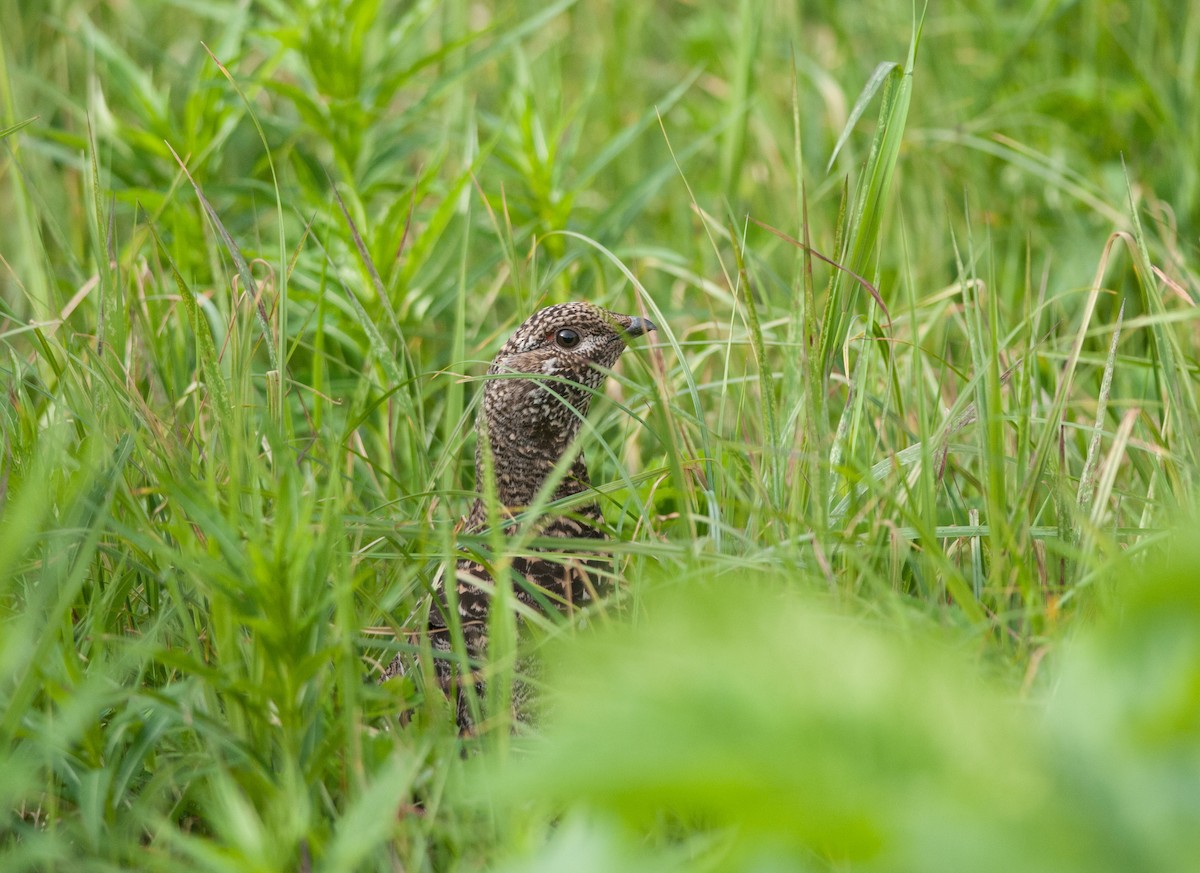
(567, 338)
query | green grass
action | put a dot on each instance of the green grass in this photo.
(902, 491)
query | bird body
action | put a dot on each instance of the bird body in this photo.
(536, 396)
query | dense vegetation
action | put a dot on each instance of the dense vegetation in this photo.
(901, 494)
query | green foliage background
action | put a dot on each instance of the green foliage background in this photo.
(904, 540)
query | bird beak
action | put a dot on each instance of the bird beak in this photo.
(639, 326)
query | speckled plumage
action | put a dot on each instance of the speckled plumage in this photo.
(529, 424)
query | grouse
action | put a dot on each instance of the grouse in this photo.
(526, 426)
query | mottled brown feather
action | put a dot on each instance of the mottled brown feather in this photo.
(529, 424)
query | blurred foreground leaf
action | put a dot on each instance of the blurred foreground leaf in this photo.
(808, 736)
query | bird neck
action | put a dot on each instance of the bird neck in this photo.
(521, 466)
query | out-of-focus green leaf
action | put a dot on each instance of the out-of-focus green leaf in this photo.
(789, 723)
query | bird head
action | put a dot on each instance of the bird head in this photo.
(573, 345)
(570, 340)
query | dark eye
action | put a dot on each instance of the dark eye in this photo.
(567, 338)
